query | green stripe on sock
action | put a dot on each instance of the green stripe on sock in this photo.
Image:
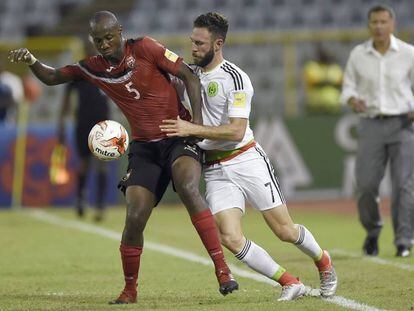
(278, 274)
(319, 257)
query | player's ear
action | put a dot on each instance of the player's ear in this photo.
(218, 44)
(120, 29)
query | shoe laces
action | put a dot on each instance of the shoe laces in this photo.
(327, 276)
(286, 290)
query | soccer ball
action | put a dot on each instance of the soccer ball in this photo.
(108, 140)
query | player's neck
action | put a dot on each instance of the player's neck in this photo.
(217, 60)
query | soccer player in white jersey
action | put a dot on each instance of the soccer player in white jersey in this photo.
(236, 167)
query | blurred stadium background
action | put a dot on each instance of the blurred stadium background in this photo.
(52, 261)
(272, 40)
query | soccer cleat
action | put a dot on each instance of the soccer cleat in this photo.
(403, 251)
(328, 278)
(126, 297)
(370, 247)
(227, 283)
(293, 291)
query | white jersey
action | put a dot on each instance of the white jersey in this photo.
(227, 93)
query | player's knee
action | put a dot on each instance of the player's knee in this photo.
(136, 218)
(232, 241)
(188, 188)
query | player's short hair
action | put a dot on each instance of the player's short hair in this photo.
(216, 23)
(381, 8)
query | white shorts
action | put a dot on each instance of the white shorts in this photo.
(249, 176)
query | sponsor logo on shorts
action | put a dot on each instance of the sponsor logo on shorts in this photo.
(193, 149)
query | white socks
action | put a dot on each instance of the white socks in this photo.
(259, 260)
(307, 243)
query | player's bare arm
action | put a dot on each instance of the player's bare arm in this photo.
(48, 75)
(192, 84)
(234, 131)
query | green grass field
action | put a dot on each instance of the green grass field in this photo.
(52, 261)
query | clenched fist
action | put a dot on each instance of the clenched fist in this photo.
(22, 55)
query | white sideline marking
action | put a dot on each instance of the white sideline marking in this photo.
(72, 224)
(376, 260)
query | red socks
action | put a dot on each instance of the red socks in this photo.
(324, 263)
(207, 230)
(287, 279)
(130, 256)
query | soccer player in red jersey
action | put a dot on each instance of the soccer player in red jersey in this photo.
(135, 75)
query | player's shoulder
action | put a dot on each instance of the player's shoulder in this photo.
(235, 75)
(92, 61)
(137, 41)
(146, 47)
(232, 69)
(144, 42)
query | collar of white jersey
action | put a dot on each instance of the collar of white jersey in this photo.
(214, 69)
(393, 45)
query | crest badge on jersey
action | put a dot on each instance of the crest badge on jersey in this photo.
(130, 62)
(212, 89)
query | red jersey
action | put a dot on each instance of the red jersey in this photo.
(139, 85)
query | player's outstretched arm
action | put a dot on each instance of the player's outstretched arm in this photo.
(234, 131)
(48, 75)
(192, 84)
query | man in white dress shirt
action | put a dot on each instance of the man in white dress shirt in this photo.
(236, 167)
(378, 86)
